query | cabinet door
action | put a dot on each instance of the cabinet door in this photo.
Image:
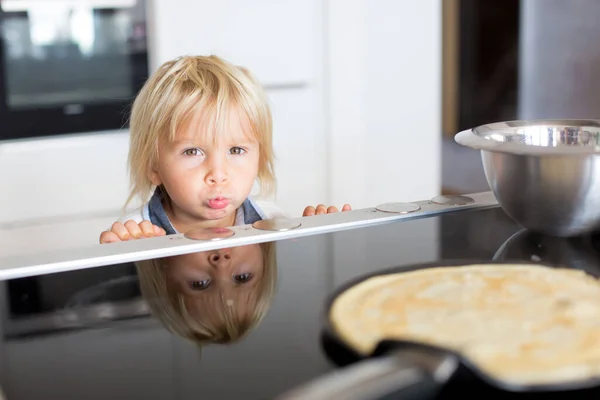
(299, 142)
(274, 38)
(54, 179)
(384, 100)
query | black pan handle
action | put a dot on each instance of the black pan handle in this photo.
(405, 375)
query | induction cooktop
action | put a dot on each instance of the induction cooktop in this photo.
(258, 333)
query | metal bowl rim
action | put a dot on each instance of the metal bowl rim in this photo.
(472, 137)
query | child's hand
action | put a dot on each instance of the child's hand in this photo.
(130, 230)
(321, 209)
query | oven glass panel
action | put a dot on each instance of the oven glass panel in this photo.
(64, 59)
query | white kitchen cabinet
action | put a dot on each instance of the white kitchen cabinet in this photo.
(273, 38)
(50, 180)
(384, 99)
(300, 150)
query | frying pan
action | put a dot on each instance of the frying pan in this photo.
(400, 369)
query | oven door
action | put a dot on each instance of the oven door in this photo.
(64, 301)
(69, 66)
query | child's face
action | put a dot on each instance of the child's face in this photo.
(231, 273)
(207, 177)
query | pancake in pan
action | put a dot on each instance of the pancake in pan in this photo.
(521, 324)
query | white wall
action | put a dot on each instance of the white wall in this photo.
(356, 97)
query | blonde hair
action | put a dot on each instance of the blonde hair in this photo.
(220, 323)
(181, 89)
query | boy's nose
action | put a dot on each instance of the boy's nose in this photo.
(216, 179)
(219, 259)
(216, 176)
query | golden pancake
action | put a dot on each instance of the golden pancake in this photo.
(522, 324)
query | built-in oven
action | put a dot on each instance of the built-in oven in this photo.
(69, 66)
(66, 301)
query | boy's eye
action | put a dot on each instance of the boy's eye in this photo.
(193, 152)
(242, 278)
(199, 285)
(236, 151)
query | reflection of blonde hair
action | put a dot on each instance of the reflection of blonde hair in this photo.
(182, 89)
(221, 322)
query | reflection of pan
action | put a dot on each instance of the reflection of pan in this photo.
(411, 370)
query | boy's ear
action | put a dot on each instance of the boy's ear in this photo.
(154, 177)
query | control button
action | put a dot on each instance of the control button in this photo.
(276, 224)
(452, 200)
(398, 208)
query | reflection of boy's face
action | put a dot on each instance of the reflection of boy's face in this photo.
(230, 272)
(217, 295)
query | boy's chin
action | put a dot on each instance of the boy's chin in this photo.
(214, 215)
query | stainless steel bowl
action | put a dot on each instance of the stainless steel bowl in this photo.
(545, 174)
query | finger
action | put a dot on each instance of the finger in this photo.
(321, 209)
(134, 229)
(120, 230)
(332, 209)
(346, 207)
(147, 228)
(158, 231)
(308, 211)
(109, 237)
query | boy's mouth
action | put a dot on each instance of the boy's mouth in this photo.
(218, 203)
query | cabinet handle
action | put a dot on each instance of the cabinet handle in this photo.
(285, 86)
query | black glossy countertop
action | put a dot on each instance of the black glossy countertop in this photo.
(138, 358)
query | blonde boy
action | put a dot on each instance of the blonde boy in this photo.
(201, 136)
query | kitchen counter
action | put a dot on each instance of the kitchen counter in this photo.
(53, 234)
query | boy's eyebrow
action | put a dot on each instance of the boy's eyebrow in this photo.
(178, 141)
(230, 141)
(243, 141)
